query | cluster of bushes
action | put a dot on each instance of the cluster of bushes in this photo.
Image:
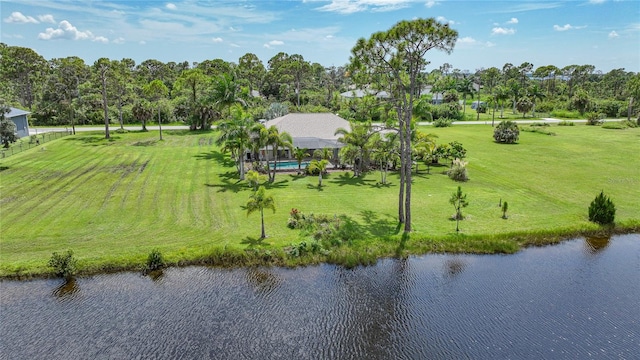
(506, 132)
(330, 230)
(458, 171)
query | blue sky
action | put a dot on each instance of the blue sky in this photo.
(604, 33)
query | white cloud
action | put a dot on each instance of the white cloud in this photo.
(443, 19)
(431, 3)
(234, 45)
(613, 35)
(467, 40)
(513, 21)
(47, 18)
(273, 43)
(171, 6)
(597, 2)
(119, 40)
(217, 40)
(101, 39)
(353, 6)
(18, 18)
(502, 31)
(67, 31)
(566, 27)
(142, 42)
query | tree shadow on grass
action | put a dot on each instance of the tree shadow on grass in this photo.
(146, 143)
(93, 140)
(217, 156)
(346, 179)
(185, 132)
(3, 168)
(315, 187)
(230, 183)
(295, 177)
(377, 227)
(276, 185)
(254, 241)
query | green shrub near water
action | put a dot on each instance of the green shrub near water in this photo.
(602, 210)
(155, 261)
(64, 265)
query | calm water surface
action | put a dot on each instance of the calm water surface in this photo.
(576, 300)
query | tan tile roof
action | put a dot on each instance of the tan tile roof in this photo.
(304, 127)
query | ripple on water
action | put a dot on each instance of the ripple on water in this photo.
(574, 300)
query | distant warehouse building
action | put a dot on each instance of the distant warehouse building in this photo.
(19, 117)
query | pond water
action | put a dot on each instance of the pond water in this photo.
(579, 299)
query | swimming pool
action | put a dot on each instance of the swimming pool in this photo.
(290, 165)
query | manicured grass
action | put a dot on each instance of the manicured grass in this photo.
(112, 202)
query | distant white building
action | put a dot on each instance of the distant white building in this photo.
(19, 117)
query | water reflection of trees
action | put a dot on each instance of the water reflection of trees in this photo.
(595, 244)
(262, 280)
(69, 289)
(454, 267)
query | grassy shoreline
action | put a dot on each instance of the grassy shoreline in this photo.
(348, 256)
(112, 202)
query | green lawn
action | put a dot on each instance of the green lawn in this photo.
(112, 202)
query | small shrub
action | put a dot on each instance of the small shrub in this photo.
(458, 171)
(594, 118)
(539, 124)
(614, 125)
(566, 123)
(630, 123)
(539, 130)
(64, 265)
(506, 132)
(602, 210)
(443, 122)
(155, 261)
(565, 114)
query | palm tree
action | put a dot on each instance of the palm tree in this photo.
(259, 136)
(424, 146)
(385, 151)
(226, 92)
(320, 166)
(299, 155)
(324, 153)
(258, 202)
(255, 179)
(535, 93)
(235, 136)
(465, 87)
(502, 95)
(277, 140)
(358, 138)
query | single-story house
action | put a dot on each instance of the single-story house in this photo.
(359, 93)
(19, 117)
(311, 131)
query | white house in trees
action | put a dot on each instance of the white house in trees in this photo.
(19, 117)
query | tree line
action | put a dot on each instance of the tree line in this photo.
(68, 91)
